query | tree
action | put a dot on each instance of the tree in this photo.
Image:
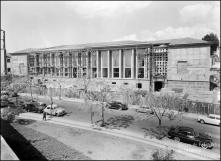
(162, 105)
(51, 98)
(214, 39)
(102, 96)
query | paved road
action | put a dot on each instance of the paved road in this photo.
(131, 120)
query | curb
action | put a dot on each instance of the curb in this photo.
(188, 150)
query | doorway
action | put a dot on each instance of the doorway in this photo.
(158, 85)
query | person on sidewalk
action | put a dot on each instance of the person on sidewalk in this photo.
(44, 115)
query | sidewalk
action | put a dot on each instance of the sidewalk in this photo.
(189, 150)
(187, 115)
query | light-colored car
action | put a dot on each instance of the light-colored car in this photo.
(54, 110)
(210, 119)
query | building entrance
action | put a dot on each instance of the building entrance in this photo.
(158, 85)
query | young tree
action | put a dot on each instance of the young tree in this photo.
(51, 97)
(162, 105)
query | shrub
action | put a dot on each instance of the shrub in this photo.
(159, 155)
(72, 94)
(7, 115)
(171, 115)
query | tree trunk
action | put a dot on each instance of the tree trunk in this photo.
(31, 93)
(60, 93)
(102, 115)
(92, 115)
(159, 122)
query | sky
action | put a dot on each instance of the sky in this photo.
(39, 24)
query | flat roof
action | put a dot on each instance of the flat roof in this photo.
(170, 42)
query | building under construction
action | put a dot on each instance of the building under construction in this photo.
(177, 64)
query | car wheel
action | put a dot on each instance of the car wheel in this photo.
(204, 145)
(177, 139)
(202, 121)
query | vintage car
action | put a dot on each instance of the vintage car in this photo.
(210, 119)
(54, 110)
(116, 105)
(188, 135)
(37, 107)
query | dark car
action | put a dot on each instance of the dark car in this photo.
(117, 105)
(35, 107)
(188, 135)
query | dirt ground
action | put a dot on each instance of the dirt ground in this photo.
(98, 146)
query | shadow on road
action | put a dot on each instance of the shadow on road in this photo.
(21, 147)
(120, 121)
(25, 121)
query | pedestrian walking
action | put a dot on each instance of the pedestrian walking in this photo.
(44, 115)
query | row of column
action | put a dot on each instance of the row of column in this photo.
(134, 64)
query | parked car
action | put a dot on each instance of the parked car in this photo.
(145, 109)
(210, 119)
(188, 135)
(35, 107)
(54, 110)
(116, 105)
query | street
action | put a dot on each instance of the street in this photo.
(131, 120)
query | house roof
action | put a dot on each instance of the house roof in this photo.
(171, 42)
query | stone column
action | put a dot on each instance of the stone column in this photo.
(101, 65)
(136, 57)
(108, 63)
(132, 64)
(120, 63)
(98, 63)
(145, 65)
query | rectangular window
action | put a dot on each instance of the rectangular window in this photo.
(94, 72)
(94, 59)
(139, 85)
(115, 56)
(53, 59)
(116, 72)
(74, 72)
(57, 71)
(182, 67)
(9, 69)
(8, 60)
(140, 57)
(140, 72)
(105, 72)
(84, 59)
(66, 71)
(84, 71)
(127, 72)
(127, 57)
(104, 58)
(113, 82)
(74, 59)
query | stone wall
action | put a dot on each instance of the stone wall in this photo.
(19, 65)
(189, 64)
(188, 85)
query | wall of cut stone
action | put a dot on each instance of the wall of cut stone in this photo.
(189, 64)
(19, 65)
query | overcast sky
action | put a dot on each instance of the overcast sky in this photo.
(43, 24)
